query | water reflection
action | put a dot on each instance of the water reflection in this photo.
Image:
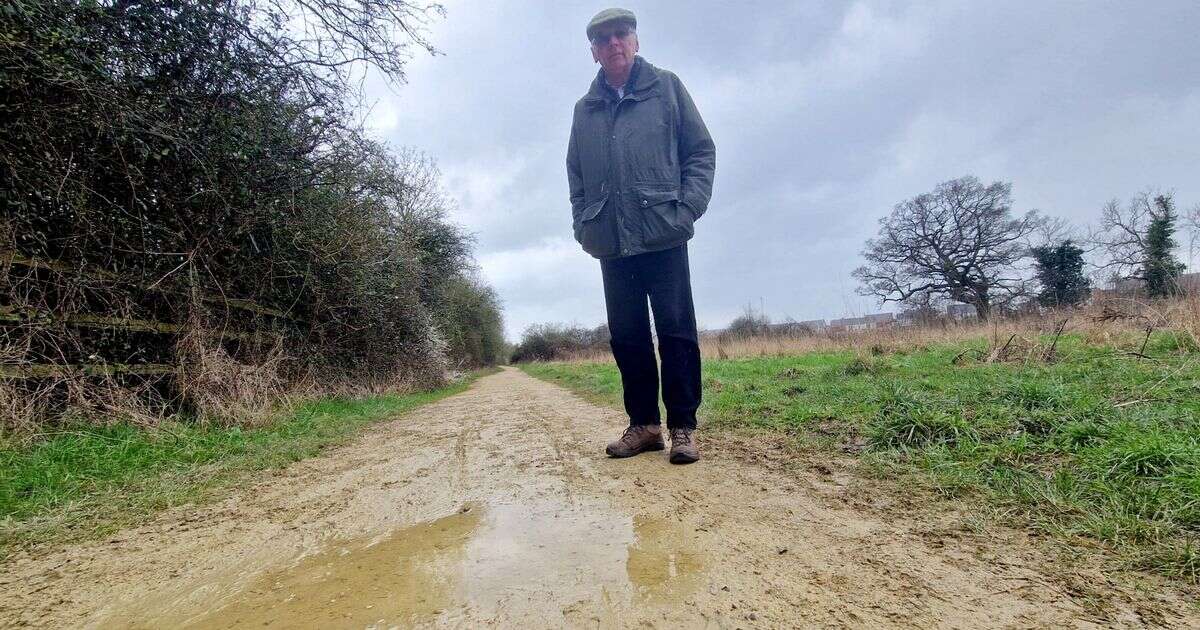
(663, 562)
(538, 562)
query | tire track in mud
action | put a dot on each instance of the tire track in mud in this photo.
(528, 523)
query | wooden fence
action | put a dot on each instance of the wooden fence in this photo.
(13, 317)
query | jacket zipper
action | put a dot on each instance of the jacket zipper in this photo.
(618, 208)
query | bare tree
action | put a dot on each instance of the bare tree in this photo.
(1193, 226)
(1128, 241)
(1122, 235)
(958, 242)
(750, 323)
(924, 309)
(1054, 230)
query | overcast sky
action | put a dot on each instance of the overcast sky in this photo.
(825, 114)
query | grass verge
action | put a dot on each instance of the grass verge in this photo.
(88, 481)
(1093, 445)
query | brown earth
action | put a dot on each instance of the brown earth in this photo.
(496, 507)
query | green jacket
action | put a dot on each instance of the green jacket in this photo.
(640, 168)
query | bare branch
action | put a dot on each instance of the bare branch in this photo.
(1121, 235)
(958, 242)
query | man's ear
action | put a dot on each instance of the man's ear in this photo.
(595, 56)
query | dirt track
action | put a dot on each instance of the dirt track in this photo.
(497, 507)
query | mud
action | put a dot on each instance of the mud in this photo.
(496, 508)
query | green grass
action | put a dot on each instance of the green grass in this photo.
(87, 481)
(1097, 444)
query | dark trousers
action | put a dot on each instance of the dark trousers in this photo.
(663, 277)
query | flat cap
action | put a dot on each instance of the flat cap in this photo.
(608, 16)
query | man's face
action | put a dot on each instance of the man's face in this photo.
(614, 47)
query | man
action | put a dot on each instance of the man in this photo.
(640, 165)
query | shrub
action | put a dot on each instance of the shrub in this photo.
(548, 342)
(469, 313)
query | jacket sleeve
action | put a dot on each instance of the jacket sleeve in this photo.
(697, 154)
(575, 178)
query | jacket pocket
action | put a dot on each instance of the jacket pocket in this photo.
(663, 220)
(593, 233)
(591, 210)
(653, 195)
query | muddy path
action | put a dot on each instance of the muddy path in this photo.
(496, 507)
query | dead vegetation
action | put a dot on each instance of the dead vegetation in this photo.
(1124, 323)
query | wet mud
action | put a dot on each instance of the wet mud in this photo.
(496, 508)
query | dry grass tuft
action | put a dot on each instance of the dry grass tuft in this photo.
(222, 388)
(30, 406)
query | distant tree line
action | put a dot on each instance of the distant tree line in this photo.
(548, 342)
(962, 242)
(210, 147)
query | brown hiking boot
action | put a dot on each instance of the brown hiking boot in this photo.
(636, 439)
(683, 446)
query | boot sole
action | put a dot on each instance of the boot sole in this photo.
(652, 447)
(684, 458)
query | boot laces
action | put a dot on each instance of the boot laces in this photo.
(632, 434)
(681, 437)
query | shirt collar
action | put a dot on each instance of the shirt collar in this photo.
(629, 83)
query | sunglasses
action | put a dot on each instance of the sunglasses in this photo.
(603, 37)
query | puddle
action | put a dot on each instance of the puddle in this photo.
(536, 561)
(409, 575)
(662, 564)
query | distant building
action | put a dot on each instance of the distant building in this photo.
(813, 325)
(810, 327)
(961, 311)
(866, 322)
(1190, 283)
(904, 319)
(1121, 288)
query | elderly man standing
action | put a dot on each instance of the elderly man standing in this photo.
(640, 166)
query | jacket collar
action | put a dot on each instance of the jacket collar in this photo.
(642, 77)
